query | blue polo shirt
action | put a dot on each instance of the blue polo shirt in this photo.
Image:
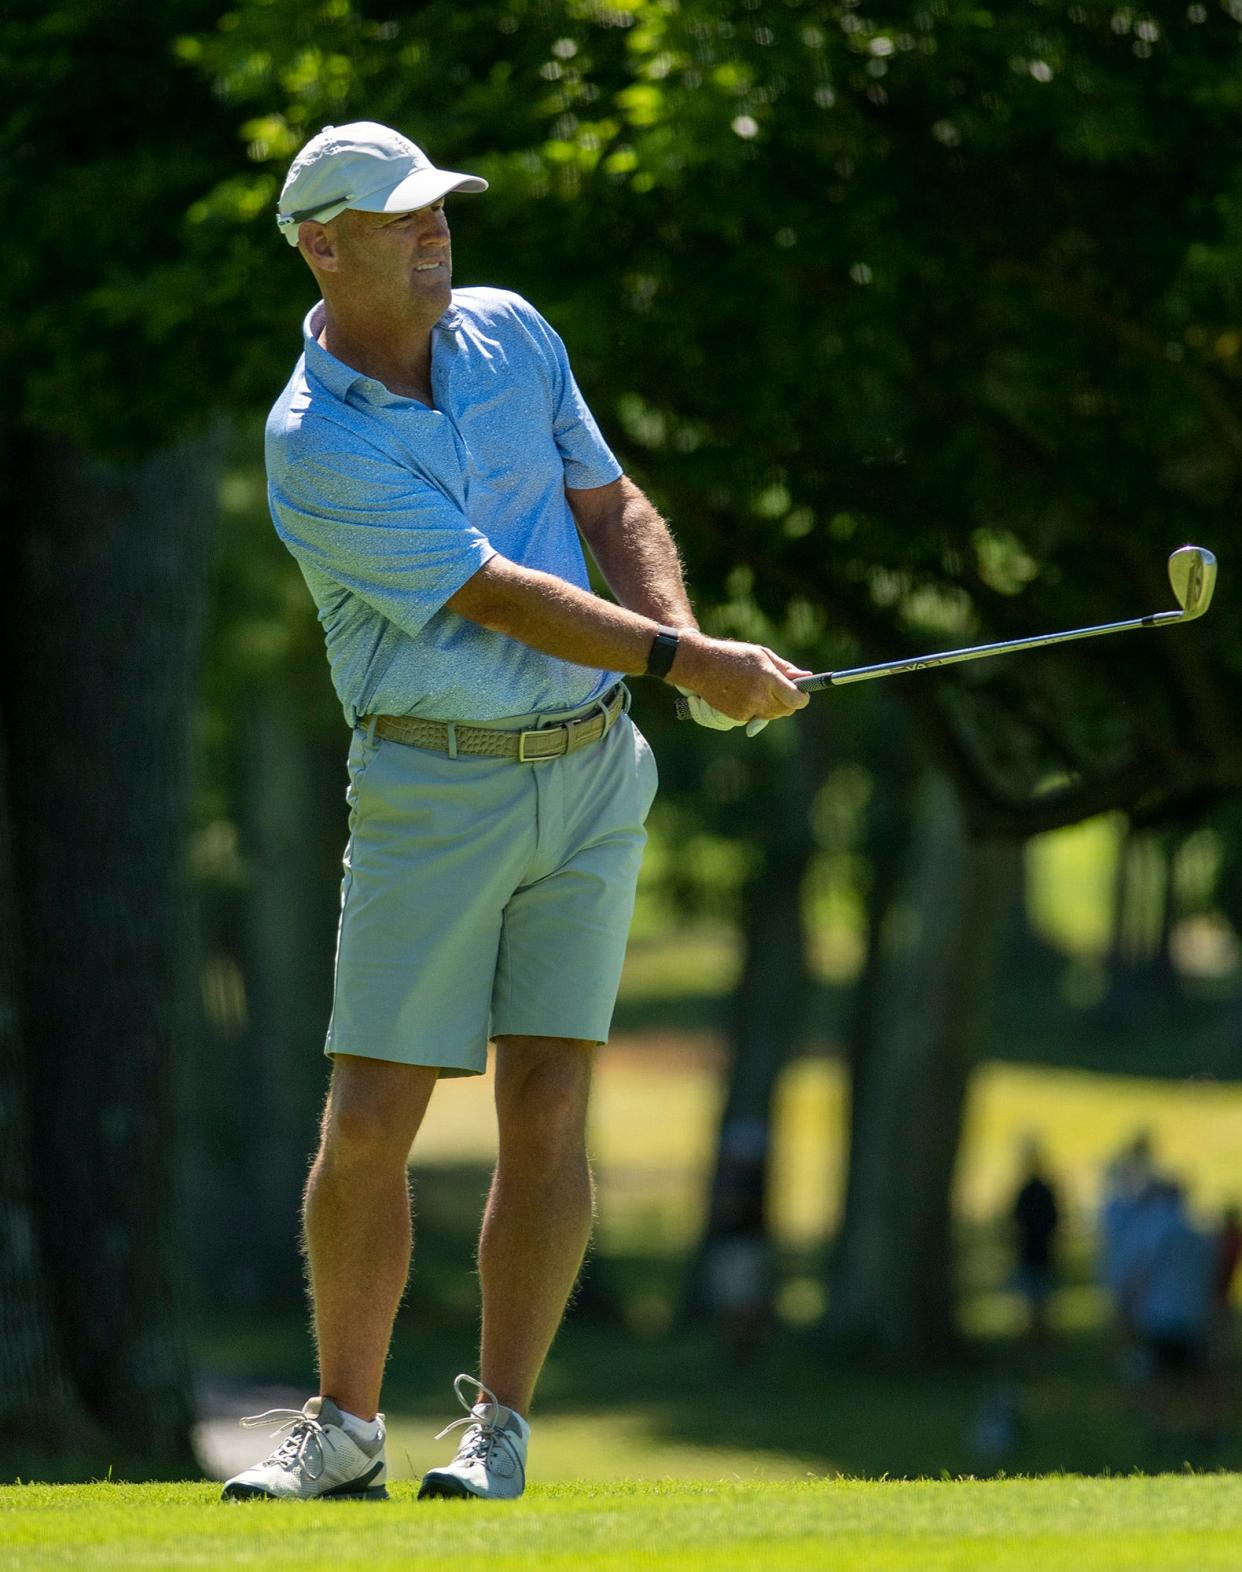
(389, 507)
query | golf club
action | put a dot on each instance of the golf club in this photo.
(1192, 573)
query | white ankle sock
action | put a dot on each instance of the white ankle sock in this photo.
(368, 1430)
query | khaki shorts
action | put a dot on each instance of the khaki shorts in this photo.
(485, 897)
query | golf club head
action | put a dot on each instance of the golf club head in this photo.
(1192, 573)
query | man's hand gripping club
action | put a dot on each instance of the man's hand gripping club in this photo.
(730, 684)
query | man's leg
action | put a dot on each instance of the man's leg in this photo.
(357, 1228)
(540, 1209)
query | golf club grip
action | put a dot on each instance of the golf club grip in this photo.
(813, 684)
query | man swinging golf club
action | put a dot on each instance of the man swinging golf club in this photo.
(430, 465)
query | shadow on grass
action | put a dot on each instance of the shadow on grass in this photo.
(1177, 1033)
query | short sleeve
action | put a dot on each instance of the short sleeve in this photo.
(372, 526)
(587, 458)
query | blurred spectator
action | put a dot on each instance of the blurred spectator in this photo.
(1128, 1187)
(1035, 1216)
(1139, 1157)
(1166, 1295)
(1228, 1254)
(738, 1265)
(998, 1426)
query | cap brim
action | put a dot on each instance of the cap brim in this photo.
(420, 189)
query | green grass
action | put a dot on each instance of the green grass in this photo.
(1056, 1525)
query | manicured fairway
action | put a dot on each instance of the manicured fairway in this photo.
(1043, 1525)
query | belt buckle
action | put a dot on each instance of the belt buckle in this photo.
(542, 731)
(571, 730)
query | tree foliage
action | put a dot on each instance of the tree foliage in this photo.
(923, 321)
(115, 308)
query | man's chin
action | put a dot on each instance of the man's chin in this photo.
(441, 294)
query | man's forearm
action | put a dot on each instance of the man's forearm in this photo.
(635, 551)
(557, 617)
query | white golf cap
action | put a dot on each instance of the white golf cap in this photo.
(362, 165)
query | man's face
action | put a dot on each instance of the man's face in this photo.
(391, 261)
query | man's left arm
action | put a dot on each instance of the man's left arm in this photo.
(638, 557)
(635, 551)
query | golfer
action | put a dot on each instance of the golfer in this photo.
(432, 466)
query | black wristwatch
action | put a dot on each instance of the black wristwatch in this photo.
(663, 652)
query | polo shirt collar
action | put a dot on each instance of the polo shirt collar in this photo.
(334, 374)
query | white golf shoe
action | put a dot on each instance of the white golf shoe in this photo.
(318, 1457)
(491, 1456)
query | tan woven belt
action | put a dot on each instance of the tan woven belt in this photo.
(527, 747)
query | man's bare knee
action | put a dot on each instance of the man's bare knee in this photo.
(374, 1109)
(542, 1092)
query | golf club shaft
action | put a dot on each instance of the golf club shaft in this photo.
(1192, 574)
(894, 668)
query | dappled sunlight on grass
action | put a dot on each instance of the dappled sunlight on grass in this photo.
(1083, 1118)
(1000, 1313)
(654, 1123)
(704, 959)
(1070, 876)
(627, 1444)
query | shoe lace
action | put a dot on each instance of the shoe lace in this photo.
(483, 1435)
(295, 1449)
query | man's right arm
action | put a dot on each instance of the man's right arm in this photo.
(552, 615)
(387, 536)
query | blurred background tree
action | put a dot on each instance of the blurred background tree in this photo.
(110, 478)
(919, 325)
(922, 325)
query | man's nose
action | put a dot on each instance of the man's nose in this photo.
(433, 227)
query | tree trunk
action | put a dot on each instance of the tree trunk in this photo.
(926, 991)
(766, 1010)
(1141, 975)
(267, 946)
(34, 1387)
(104, 637)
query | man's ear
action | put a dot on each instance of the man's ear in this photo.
(315, 241)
